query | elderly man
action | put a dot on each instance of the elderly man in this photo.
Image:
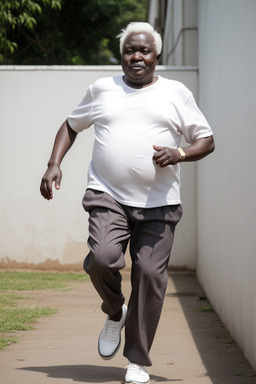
(133, 191)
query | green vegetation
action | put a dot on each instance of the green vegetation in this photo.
(23, 281)
(20, 17)
(67, 32)
(207, 308)
(17, 317)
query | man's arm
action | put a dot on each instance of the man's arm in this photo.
(63, 142)
(200, 148)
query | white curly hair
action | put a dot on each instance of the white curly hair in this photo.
(140, 27)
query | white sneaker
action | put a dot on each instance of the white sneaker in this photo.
(110, 337)
(136, 374)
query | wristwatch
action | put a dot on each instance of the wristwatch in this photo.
(182, 153)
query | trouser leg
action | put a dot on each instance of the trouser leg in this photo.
(108, 237)
(150, 248)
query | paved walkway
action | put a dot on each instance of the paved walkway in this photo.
(191, 346)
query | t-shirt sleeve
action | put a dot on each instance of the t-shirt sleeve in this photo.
(81, 117)
(194, 125)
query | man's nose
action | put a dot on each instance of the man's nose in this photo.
(136, 55)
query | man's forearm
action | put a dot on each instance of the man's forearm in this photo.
(165, 156)
(199, 149)
(63, 142)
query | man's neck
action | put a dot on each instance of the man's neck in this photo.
(139, 85)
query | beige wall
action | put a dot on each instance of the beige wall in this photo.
(34, 101)
(227, 179)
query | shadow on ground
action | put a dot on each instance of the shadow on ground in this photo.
(222, 358)
(88, 373)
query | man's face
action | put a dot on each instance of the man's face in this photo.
(139, 59)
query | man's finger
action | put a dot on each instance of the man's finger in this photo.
(157, 148)
(57, 183)
(48, 189)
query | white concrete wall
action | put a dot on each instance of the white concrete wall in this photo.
(227, 179)
(34, 101)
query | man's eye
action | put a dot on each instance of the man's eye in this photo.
(128, 51)
(145, 52)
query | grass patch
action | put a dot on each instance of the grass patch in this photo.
(30, 281)
(8, 299)
(207, 308)
(5, 341)
(20, 319)
(15, 317)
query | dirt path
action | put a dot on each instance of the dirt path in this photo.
(190, 346)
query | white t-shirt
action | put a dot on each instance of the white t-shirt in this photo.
(127, 123)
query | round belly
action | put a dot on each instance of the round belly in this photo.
(125, 164)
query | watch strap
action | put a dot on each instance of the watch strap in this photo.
(182, 153)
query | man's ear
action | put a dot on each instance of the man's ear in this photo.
(158, 57)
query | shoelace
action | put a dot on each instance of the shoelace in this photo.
(110, 330)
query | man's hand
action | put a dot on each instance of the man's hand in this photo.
(165, 156)
(196, 151)
(63, 142)
(53, 174)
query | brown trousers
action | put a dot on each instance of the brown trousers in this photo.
(150, 232)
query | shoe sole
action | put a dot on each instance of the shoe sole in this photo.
(137, 382)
